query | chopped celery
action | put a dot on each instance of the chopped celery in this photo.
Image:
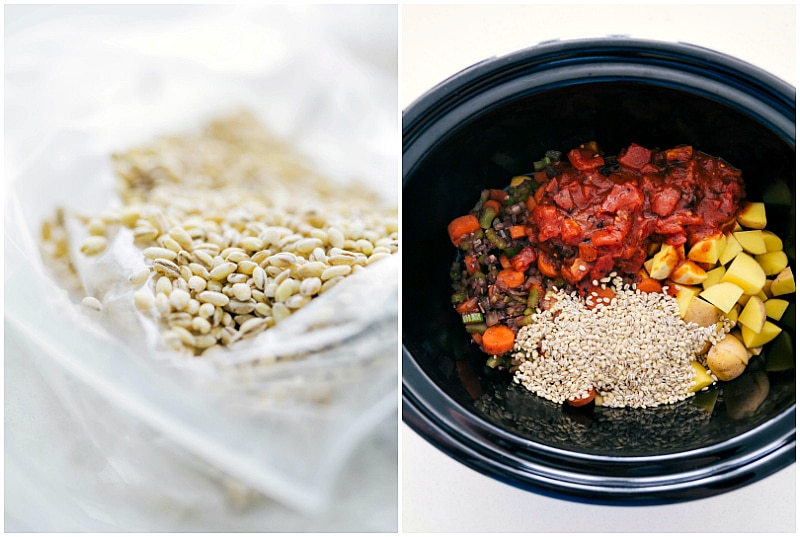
(534, 297)
(487, 216)
(469, 318)
(476, 328)
(496, 239)
(458, 298)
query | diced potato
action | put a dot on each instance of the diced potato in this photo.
(723, 295)
(701, 377)
(732, 249)
(708, 249)
(664, 262)
(713, 276)
(775, 308)
(783, 283)
(688, 273)
(745, 272)
(648, 266)
(754, 314)
(733, 315)
(701, 312)
(756, 339)
(766, 288)
(753, 216)
(727, 358)
(773, 262)
(772, 241)
(683, 295)
(752, 241)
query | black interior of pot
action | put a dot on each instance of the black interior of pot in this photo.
(498, 143)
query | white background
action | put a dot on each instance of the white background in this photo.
(440, 494)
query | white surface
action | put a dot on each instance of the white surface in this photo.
(440, 494)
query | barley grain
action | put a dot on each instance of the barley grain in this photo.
(92, 303)
(94, 245)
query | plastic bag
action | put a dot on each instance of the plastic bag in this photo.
(282, 429)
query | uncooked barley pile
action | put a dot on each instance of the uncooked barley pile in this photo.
(635, 351)
(237, 232)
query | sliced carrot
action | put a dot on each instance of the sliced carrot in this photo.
(650, 285)
(461, 226)
(468, 306)
(504, 261)
(494, 204)
(583, 401)
(510, 278)
(518, 232)
(498, 339)
(548, 266)
(530, 203)
(477, 338)
(540, 176)
(471, 263)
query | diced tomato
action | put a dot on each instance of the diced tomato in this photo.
(635, 157)
(664, 200)
(497, 194)
(523, 259)
(623, 196)
(587, 252)
(576, 271)
(585, 159)
(609, 236)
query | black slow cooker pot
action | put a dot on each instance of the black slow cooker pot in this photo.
(489, 123)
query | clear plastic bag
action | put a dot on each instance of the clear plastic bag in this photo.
(282, 418)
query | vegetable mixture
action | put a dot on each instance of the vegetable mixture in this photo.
(672, 222)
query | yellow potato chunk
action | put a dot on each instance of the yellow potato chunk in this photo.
(713, 276)
(772, 241)
(783, 283)
(752, 241)
(754, 339)
(688, 273)
(754, 314)
(753, 216)
(701, 312)
(775, 308)
(723, 295)
(684, 295)
(733, 315)
(701, 377)
(648, 266)
(708, 249)
(732, 249)
(727, 358)
(745, 272)
(773, 262)
(664, 262)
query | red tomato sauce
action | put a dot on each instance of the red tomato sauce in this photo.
(597, 215)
